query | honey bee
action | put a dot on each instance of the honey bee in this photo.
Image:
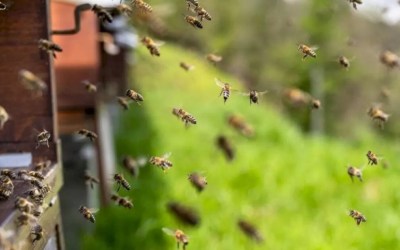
(25, 219)
(239, 124)
(357, 216)
(202, 13)
(124, 102)
(254, 95)
(307, 51)
(3, 6)
(90, 180)
(37, 233)
(343, 61)
(213, 58)
(35, 195)
(192, 2)
(43, 138)
(135, 96)
(44, 189)
(6, 187)
(161, 162)
(88, 213)
(24, 205)
(102, 13)
(225, 89)
(377, 114)
(296, 97)
(89, 134)
(390, 59)
(183, 213)
(226, 147)
(121, 181)
(142, 5)
(90, 87)
(132, 165)
(24, 175)
(123, 9)
(194, 22)
(249, 230)
(186, 66)
(184, 116)
(315, 103)
(151, 45)
(121, 201)
(9, 173)
(40, 166)
(352, 171)
(198, 181)
(179, 235)
(372, 158)
(4, 117)
(355, 2)
(49, 47)
(32, 82)
(36, 174)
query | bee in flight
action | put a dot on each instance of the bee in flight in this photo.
(102, 13)
(142, 5)
(357, 216)
(121, 201)
(355, 2)
(372, 158)
(194, 22)
(225, 89)
(250, 231)
(315, 103)
(132, 165)
(88, 213)
(389, 59)
(37, 233)
(124, 102)
(42, 138)
(161, 162)
(184, 213)
(90, 87)
(4, 117)
(49, 47)
(135, 96)
(353, 171)
(92, 136)
(151, 45)
(376, 113)
(254, 95)
(186, 66)
(31, 82)
(90, 180)
(202, 13)
(213, 58)
(184, 116)
(344, 61)
(307, 51)
(239, 124)
(180, 237)
(121, 181)
(198, 181)
(195, 3)
(224, 144)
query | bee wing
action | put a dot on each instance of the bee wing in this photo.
(263, 92)
(166, 155)
(314, 47)
(142, 161)
(168, 231)
(159, 43)
(93, 210)
(244, 93)
(219, 82)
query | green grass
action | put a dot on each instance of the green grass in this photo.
(293, 187)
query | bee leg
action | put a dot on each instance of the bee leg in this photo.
(360, 178)
(119, 186)
(351, 177)
(304, 57)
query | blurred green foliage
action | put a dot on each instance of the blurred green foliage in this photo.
(294, 188)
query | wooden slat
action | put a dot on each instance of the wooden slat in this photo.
(72, 121)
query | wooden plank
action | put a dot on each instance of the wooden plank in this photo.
(24, 128)
(72, 121)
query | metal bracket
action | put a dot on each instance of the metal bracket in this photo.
(77, 17)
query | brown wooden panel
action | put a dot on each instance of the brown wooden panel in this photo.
(24, 128)
(71, 121)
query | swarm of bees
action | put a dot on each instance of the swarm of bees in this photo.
(49, 47)
(357, 216)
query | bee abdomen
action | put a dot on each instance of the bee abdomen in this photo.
(198, 24)
(126, 185)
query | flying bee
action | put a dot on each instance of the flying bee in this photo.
(296, 97)
(186, 66)
(121, 201)
(32, 82)
(36, 174)
(372, 158)
(142, 5)
(25, 219)
(90, 180)
(179, 235)
(355, 2)
(121, 181)
(37, 233)
(183, 213)
(24, 205)
(192, 2)
(88, 213)
(90, 87)
(225, 89)
(254, 95)
(161, 162)
(202, 13)
(213, 58)
(4, 117)
(49, 47)
(307, 51)
(89, 134)
(352, 171)
(343, 61)
(123, 9)
(184, 116)
(102, 13)
(151, 45)
(43, 138)
(315, 103)
(40, 166)
(124, 102)
(377, 114)
(132, 165)
(9, 173)
(249, 230)
(357, 216)
(389, 59)
(198, 181)
(135, 96)
(239, 124)
(226, 147)
(194, 22)
(6, 187)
